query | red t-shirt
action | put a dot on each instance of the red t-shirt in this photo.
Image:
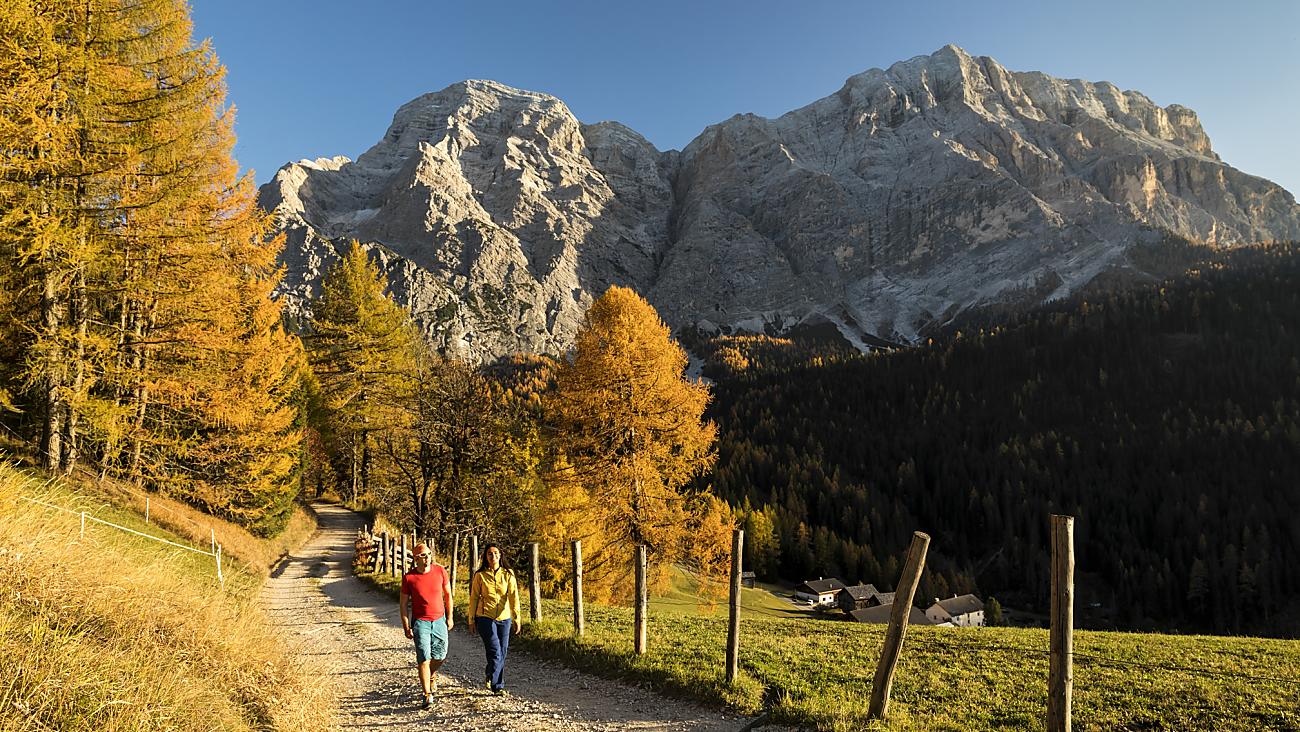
(425, 589)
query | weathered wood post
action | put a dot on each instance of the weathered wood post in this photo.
(578, 621)
(220, 577)
(535, 584)
(455, 561)
(733, 623)
(146, 509)
(473, 554)
(1060, 684)
(903, 596)
(401, 564)
(642, 602)
(383, 552)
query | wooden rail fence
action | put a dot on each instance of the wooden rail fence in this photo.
(384, 554)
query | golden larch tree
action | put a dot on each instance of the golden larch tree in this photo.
(631, 427)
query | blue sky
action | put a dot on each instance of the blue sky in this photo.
(323, 77)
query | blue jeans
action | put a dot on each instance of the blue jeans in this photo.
(496, 643)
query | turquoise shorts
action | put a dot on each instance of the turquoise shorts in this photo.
(430, 639)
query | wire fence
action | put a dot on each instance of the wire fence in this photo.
(149, 506)
(86, 516)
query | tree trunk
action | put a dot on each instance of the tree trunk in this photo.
(52, 319)
(140, 391)
(73, 411)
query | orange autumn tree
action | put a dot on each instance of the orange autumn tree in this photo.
(632, 433)
(137, 282)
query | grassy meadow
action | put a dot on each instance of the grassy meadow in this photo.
(112, 631)
(818, 673)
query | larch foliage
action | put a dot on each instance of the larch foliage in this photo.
(363, 349)
(631, 428)
(137, 283)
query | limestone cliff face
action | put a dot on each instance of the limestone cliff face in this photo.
(496, 215)
(907, 196)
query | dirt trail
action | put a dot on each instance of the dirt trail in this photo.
(355, 634)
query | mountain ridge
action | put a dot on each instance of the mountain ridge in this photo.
(909, 195)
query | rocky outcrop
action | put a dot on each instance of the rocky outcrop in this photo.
(914, 192)
(495, 214)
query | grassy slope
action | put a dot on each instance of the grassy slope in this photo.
(116, 632)
(818, 673)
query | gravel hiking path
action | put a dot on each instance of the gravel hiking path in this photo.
(355, 635)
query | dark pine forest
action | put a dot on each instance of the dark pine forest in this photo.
(1164, 417)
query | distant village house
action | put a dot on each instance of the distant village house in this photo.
(819, 591)
(964, 611)
(859, 597)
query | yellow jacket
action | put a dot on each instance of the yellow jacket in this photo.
(494, 595)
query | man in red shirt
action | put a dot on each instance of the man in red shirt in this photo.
(425, 604)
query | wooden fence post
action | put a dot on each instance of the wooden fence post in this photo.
(455, 560)
(733, 623)
(473, 555)
(535, 584)
(1060, 684)
(146, 509)
(578, 621)
(903, 596)
(642, 602)
(383, 552)
(401, 564)
(220, 578)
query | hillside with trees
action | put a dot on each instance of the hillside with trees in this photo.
(601, 446)
(136, 322)
(1165, 417)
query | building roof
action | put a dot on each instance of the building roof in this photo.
(861, 592)
(960, 605)
(748, 575)
(880, 615)
(821, 586)
(885, 598)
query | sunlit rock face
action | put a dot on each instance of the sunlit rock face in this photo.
(496, 215)
(912, 193)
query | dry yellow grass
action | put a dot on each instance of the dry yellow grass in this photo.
(115, 632)
(192, 524)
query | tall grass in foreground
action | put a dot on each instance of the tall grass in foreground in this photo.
(818, 673)
(115, 632)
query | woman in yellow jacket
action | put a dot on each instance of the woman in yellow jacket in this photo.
(494, 613)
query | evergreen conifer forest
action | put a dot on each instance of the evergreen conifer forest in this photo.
(1165, 417)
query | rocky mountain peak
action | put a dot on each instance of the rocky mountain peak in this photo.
(910, 194)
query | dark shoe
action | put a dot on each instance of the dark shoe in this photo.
(428, 701)
(499, 692)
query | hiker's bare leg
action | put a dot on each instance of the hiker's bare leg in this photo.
(434, 665)
(425, 675)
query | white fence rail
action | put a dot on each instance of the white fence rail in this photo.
(85, 516)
